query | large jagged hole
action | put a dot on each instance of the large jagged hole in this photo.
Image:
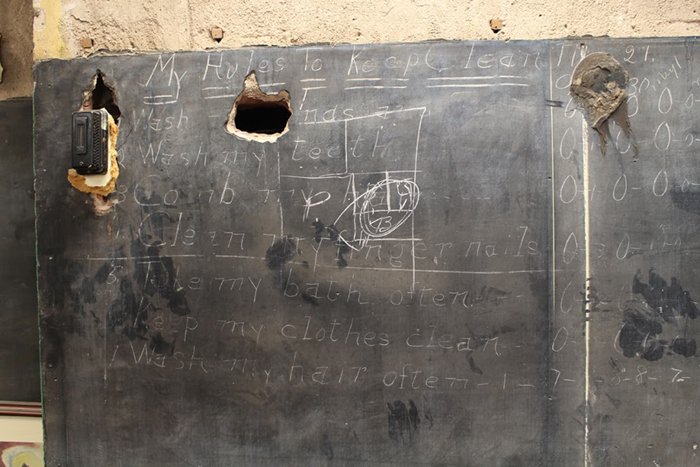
(101, 96)
(262, 117)
(257, 116)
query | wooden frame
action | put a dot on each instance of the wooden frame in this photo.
(24, 409)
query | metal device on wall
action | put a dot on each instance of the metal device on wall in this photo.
(90, 137)
(94, 132)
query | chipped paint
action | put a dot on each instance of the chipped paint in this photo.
(48, 30)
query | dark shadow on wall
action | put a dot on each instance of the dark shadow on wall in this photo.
(19, 333)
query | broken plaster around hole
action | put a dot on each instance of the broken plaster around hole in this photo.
(100, 95)
(599, 87)
(252, 97)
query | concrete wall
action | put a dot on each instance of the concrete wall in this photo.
(67, 28)
(16, 19)
(185, 24)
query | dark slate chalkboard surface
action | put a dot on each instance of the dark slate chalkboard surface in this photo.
(19, 345)
(430, 268)
(644, 379)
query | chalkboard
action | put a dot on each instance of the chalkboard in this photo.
(19, 338)
(412, 274)
(643, 251)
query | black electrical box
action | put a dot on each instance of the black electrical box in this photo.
(90, 140)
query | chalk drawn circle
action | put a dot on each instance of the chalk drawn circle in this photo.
(377, 223)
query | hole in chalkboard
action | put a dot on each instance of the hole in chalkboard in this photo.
(101, 96)
(258, 116)
(262, 117)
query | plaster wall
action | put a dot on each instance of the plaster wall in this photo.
(16, 20)
(186, 24)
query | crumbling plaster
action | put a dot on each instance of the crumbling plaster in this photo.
(16, 48)
(185, 24)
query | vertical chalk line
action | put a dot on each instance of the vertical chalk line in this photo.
(554, 223)
(587, 311)
(279, 193)
(413, 216)
(587, 266)
(554, 193)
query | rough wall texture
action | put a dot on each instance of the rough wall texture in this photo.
(16, 18)
(186, 24)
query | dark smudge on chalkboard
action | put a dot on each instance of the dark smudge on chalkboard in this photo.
(319, 228)
(125, 311)
(159, 276)
(342, 248)
(280, 252)
(307, 297)
(639, 336)
(473, 367)
(177, 301)
(326, 447)
(688, 201)
(670, 300)
(684, 347)
(427, 413)
(667, 305)
(87, 291)
(404, 421)
(154, 281)
(56, 326)
(62, 312)
(161, 346)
